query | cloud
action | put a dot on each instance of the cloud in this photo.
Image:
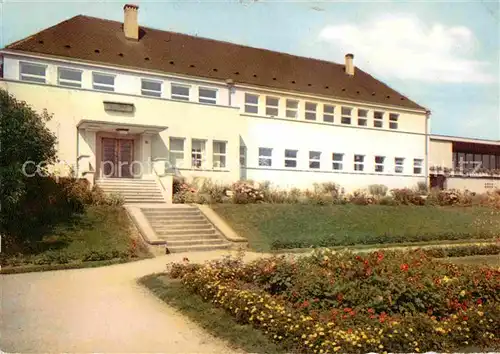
(403, 47)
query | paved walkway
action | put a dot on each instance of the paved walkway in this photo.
(99, 310)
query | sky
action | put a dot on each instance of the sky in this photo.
(443, 55)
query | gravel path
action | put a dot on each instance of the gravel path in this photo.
(98, 310)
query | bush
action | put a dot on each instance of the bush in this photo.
(341, 302)
(360, 197)
(213, 192)
(406, 196)
(378, 190)
(244, 193)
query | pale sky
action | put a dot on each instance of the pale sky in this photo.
(443, 55)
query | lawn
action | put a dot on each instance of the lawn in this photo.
(100, 235)
(278, 226)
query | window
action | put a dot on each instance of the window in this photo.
(32, 72)
(265, 156)
(337, 160)
(197, 153)
(103, 82)
(393, 121)
(179, 92)
(417, 166)
(150, 88)
(292, 107)
(328, 111)
(291, 158)
(69, 77)
(176, 152)
(243, 156)
(251, 103)
(346, 115)
(310, 111)
(219, 151)
(207, 95)
(359, 162)
(314, 159)
(378, 119)
(362, 117)
(398, 164)
(272, 106)
(379, 163)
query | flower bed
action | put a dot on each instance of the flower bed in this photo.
(341, 302)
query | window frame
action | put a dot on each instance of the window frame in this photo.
(337, 164)
(174, 152)
(291, 159)
(362, 118)
(329, 115)
(103, 87)
(399, 167)
(206, 99)
(271, 107)
(378, 165)
(243, 156)
(378, 122)
(155, 92)
(222, 156)
(310, 111)
(344, 118)
(419, 166)
(314, 160)
(68, 82)
(177, 97)
(198, 157)
(289, 109)
(255, 105)
(23, 76)
(393, 121)
(265, 157)
(359, 166)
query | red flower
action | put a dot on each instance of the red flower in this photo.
(349, 330)
(404, 267)
(380, 257)
(316, 300)
(479, 301)
(340, 297)
(370, 310)
(347, 309)
(305, 303)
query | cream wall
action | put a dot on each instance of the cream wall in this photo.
(441, 153)
(477, 185)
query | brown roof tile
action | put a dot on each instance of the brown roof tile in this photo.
(102, 41)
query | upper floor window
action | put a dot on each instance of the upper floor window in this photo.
(359, 162)
(292, 108)
(417, 166)
(219, 151)
(251, 103)
(104, 82)
(346, 115)
(362, 117)
(314, 159)
(399, 164)
(150, 88)
(69, 77)
(265, 156)
(337, 161)
(207, 95)
(310, 111)
(291, 158)
(328, 111)
(379, 163)
(32, 72)
(393, 120)
(378, 119)
(179, 92)
(272, 106)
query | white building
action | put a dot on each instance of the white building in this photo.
(124, 95)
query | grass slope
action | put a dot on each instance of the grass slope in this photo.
(275, 226)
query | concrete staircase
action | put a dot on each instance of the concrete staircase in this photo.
(133, 190)
(184, 228)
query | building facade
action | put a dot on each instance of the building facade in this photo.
(133, 102)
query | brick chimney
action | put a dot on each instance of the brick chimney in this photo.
(349, 64)
(130, 23)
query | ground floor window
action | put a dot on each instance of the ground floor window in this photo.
(359, 162)
(337, 161)
(314, 159)
(379, 163)
(291, 158)
(219, 152)
(398, 164)
(197, 153)
(417, 166)
(176, 152)
(265, 156)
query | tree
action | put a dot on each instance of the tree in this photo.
(24, 137)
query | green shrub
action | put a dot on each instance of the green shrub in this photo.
(406, 196)
(360, 197)
(378, 190)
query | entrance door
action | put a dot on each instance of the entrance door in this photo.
(117, 157)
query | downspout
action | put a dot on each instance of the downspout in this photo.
(76, 160)
(230, 85)
(427, 119)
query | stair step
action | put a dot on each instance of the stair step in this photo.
(178, 249)
(157, 222)
(172, 211)
(145, 201)
(191, 237)
(195, 242)
(127, 188)
(175, 219)
(172, 228)
(186, 232)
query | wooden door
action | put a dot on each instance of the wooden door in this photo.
(117, 157)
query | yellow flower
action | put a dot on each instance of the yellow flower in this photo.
(462, 293)
(381, 346)
(336, 349)
(417, 349)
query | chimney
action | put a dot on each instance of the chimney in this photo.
(130, 24)
(349, 64)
